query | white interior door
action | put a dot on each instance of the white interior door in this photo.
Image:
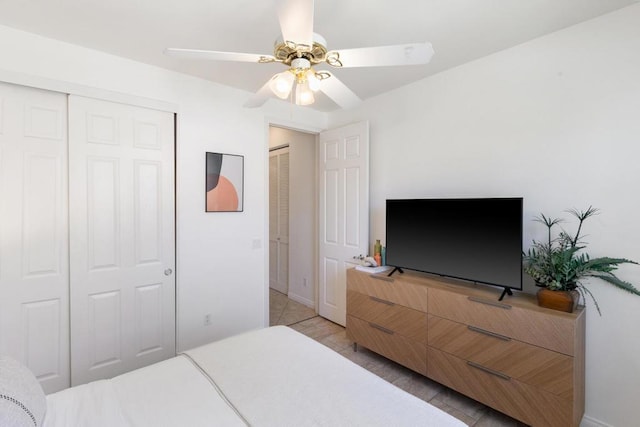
(279, 220)
(122, 246)
(34, 273)
(344, 213)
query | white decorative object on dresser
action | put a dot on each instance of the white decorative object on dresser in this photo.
(518, 358)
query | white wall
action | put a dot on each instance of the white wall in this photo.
(557, 121)
(218, 270)
(302, 211)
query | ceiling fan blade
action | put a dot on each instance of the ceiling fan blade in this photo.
(296, 21)
(260, 97)
(404, 54)
(338, 92)
(218, 56)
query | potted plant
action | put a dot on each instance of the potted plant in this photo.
(559, 265)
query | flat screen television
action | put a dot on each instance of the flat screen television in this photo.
(474, 239)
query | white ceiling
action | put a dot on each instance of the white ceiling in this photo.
(460, 31)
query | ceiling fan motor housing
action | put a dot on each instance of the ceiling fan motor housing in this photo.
(287, 51)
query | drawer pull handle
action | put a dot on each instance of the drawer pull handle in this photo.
(489, 302)
(382, 301)
(380, 328)
(489, 333)
(489, 370)
(383, 278)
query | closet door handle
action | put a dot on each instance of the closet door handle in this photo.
(168, 272)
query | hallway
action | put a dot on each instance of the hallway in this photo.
(285, 311)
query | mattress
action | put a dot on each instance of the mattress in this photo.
(270, 377)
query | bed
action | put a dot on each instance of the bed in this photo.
(270, 377)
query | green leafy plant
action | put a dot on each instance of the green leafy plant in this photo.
(559, 263)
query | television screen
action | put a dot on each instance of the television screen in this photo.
(479, 240)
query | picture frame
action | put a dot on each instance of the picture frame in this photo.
(224, 177)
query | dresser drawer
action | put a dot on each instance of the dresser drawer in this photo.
(537, 366)
(402, 320)
(524, 402)
(391, 289)
(393, 346)
(544, 328)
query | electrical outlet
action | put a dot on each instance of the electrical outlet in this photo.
(304, 282)
(207, 319)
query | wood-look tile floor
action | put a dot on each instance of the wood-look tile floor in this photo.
(304, 320)
(285, 311)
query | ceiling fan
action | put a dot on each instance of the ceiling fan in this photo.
(300, 49)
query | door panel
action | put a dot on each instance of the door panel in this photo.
(122, 237)
(40, 235)
(41, 320)
(279, 220)
(331, 206)
(352, 229)
(104, 337)
(103, 222)
(148, 212)
(34, 275)
(344, 212)
(148, 324)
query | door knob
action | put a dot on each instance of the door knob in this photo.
(168, 272)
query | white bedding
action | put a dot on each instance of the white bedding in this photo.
(170, 393)
(270, 377)
(278, 377)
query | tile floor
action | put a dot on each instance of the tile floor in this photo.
(303, 319)
(284, 311)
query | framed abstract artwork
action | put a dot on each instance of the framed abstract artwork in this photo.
(225, 183)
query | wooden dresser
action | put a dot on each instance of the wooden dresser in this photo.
(511, 355)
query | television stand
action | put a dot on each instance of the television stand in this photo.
(514, 356)
(507, 291)
(394, 270)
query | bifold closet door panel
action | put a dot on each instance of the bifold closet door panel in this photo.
(279, 220)
(122, 237)
(34, 272)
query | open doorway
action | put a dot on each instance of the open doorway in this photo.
(292, 225)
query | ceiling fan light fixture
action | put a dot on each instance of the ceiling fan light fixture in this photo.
(281, 84)
(304, 95)
(314, 82)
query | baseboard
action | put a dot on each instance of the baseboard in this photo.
(592, 422)
(302, 300)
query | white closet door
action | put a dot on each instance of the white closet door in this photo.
(122, 247)
(34, 274)
(344, 213)
(279, 220)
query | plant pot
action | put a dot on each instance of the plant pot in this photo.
(558, 300)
